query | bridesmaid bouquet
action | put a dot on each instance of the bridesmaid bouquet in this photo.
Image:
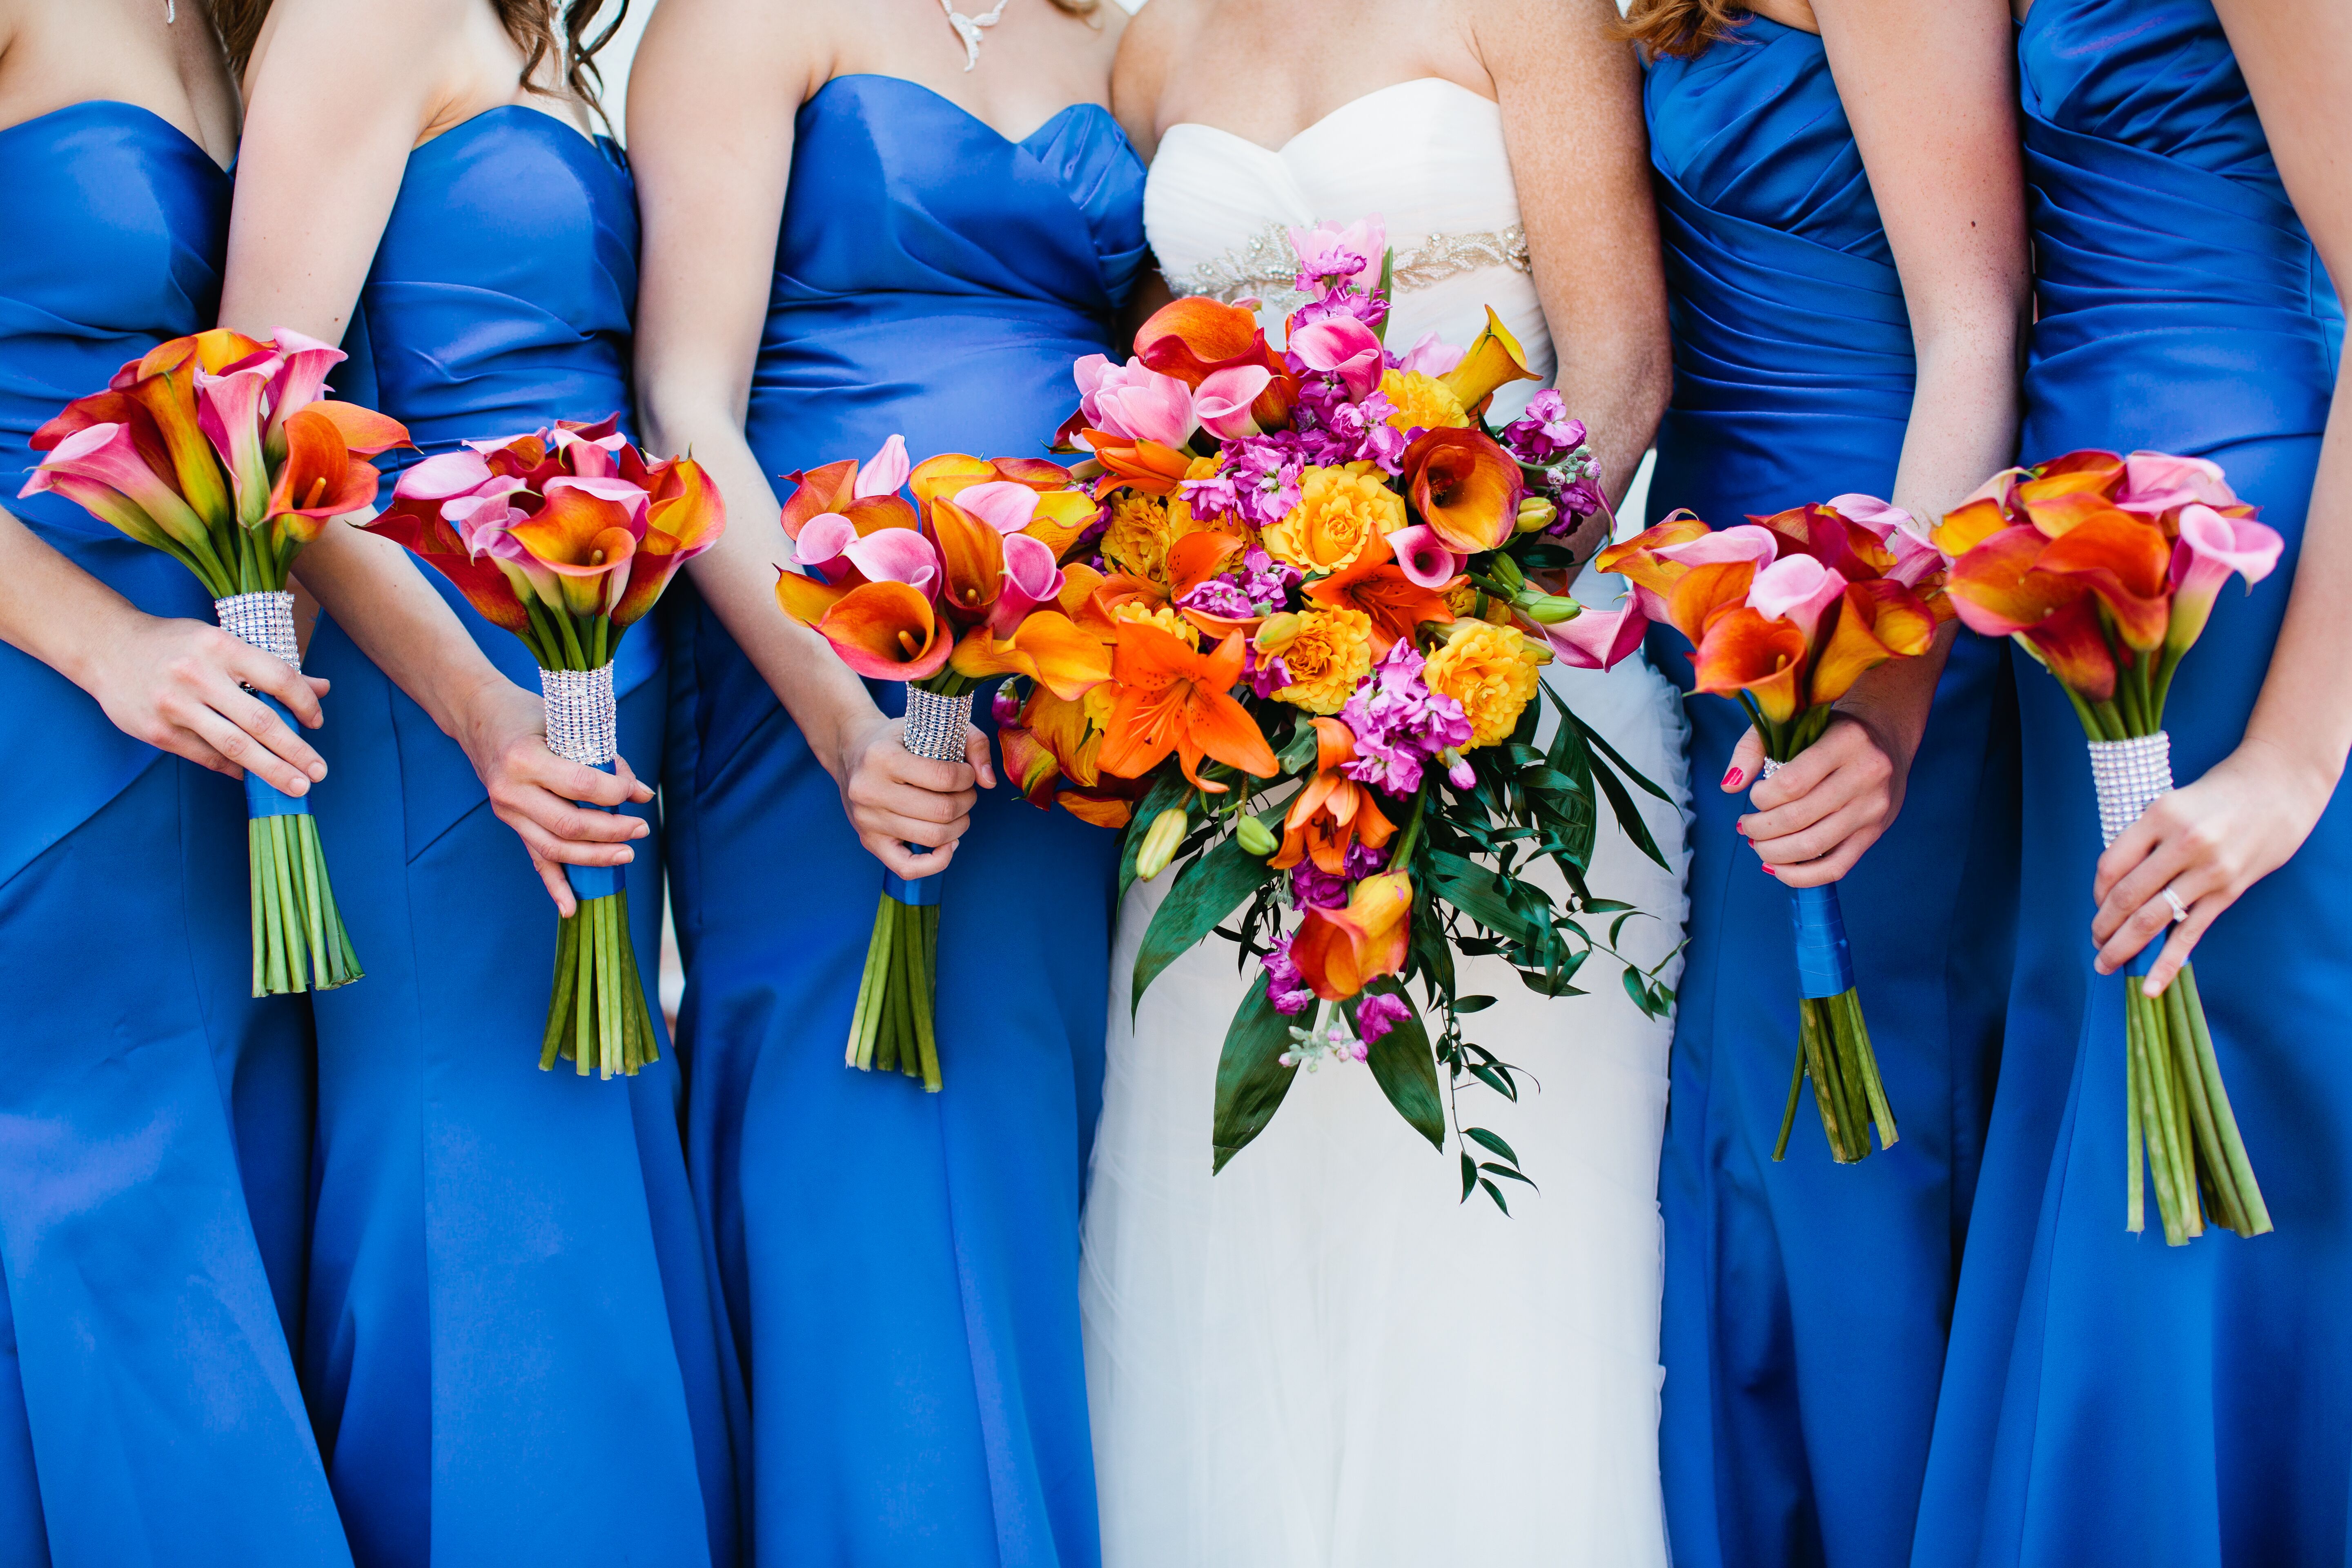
(566, 538)
(1295, 653)
(963, 582)
(224, 453)
(2105, 570)
(1785, 613)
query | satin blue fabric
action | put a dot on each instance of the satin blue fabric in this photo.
(2110, 1398)
(900, 1268)
(511, 1349)
(154, 1120)
(1806, 1303)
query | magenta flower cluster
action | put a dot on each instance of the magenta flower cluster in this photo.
(1378, 1014)
(1400, 723)
(1285, 986)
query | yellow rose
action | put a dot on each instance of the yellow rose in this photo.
(1165, 617)
(1337, 509)
(1491, 671)
(1327, 656)
(1422, 402)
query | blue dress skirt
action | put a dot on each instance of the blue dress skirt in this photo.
(900, 1268)
(510, 1349)
(2111, 1399)
(1806, 1303)
(154, 1118)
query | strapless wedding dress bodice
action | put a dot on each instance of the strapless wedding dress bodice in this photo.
(1321, 1358)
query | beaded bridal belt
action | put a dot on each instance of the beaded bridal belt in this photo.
(1266, 269)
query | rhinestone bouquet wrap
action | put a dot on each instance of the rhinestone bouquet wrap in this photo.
(583, 723)
(2128, 775)
(596, 1014)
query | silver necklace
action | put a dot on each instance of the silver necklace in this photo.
(967, 27)
(170, 12)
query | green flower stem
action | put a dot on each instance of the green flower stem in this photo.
(2135, 1196)
(1849, 1007)
(1796, 1092)
(1406, 846)
(558, 1010)
(2182, 1040)
(2256, 1213)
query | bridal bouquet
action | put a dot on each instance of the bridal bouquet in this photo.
(2105, 570)
(1317, 596)
(224, 453)
(566, 538)
(963, 582)
(1785, 613)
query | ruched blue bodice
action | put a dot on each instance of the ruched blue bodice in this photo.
(154, 1120)
(900, 1269)
(2110, 1398)
(505, 1269)
(1799, 1292)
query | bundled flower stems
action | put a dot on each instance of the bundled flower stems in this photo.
(566, 537)
(224, 452)
(1785, 613)
(2105, 569)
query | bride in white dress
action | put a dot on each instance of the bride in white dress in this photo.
(1321, 1358)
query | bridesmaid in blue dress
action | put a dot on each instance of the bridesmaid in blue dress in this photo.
(154, 1119)
(899, 1268)
(510, 1350)
(1845, 277)
(2110, 1398)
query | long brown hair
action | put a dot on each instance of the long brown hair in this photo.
(538, 27)
(1681, 27)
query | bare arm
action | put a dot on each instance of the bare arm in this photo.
(1927, 86)
(310, 209)
(1571, 97)
(711, 103)
(2216, 837)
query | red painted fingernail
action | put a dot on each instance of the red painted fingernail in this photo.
(1741, 828)
(1771, 872)
(1732, 775)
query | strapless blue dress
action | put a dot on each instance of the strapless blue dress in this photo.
(154, 1119)
(2110, 1399)
(511, 1350)
(1806, 1303)
(901, 1268)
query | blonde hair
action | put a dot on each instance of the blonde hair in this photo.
(1681, 27)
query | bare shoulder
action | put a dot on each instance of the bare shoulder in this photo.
(792, 42)
(1154, 37)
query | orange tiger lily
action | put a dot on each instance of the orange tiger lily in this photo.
(1333, 812)
(1174, 697)
(1143, 466)
(1339, 951)
(1378, 587)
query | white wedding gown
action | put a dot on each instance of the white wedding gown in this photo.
(1321, 1358)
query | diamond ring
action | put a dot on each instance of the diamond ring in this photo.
(2179, 909)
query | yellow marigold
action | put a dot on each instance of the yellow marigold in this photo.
(1327, 656)
(1165, 617)
(1136, 541)
(1491, 671)
(1337, 509)
(1422, 402)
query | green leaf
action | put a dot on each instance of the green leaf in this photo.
(1629, 815)
(1166, 790)
(1469, 1177)
(1495, 1169)
(1478, 893)
(1600, 743)
(1495, 1193)
(1206, 891)
(1406, 1071)
(1298, 754)
(1251, 1078)
(1489, 1142)
(1472, 1004)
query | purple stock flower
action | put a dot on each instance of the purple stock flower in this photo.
(1285, 986)
(1377, 1015)
(1362, 860)
(1266, 581)
(1313, 888)
(1399, 723)
(1545, 431)
(1370, 309)
(1265, 675)
(1219, 596)
(1256, 479)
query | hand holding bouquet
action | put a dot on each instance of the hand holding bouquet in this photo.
(224, 453)
(1785, 613)
(2105, 570)
(566, 538)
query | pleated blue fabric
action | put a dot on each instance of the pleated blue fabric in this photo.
(900, 1268)
(154, 1119)
(1806, 1303)
(511, 1347)
(2110, 1398)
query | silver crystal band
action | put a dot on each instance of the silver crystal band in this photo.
(582, 724)
(2129, 776)
(1770, 767)
(264, 620)
(935, 725)
(1266, 267)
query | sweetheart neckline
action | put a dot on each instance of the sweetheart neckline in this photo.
(931, 92)
(193, 144)
(1284, 151)
(602, 146)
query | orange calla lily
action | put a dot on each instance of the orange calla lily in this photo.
(685, 519)
(1374, 584)
(1876, 621)
(320, 479)
(1177, 698)
(421, 531)
(1063, 515)
(2127, 562)
(585, 539)
(1143, 466)
(1999, 589)
(817, 491)
(164, 384)
(2072, 645)
(362, 430)
(1339, 951)
(1493, 359)
(884, 631)
(1638, 560)
(1193, 338)
(1049, 646)
(949, 473)
(1705, 591)
(1742, 651)
(1333, 812)
(972, 557)
(1466, 487)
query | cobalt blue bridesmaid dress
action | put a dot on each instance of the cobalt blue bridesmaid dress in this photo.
(1806, 1303)
(900, 1268)
(2110, 1399)
(154, 1119)
(511, 1349)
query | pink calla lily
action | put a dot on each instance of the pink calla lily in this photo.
(1798, 589)
(2157, 482)
(441, 476)
(228, 411)
(897, 555)
(1424, 557)
(1134, 401)
(1031, 577)
(884, 473)
(1003, 505)
(1344, 347)
(106, 455)
(822, 539)
(1429, 355)
(1598, 639)
(1903, 535)
(1224, 401)
(300, 380)
(2211, 547)
(1756, 545)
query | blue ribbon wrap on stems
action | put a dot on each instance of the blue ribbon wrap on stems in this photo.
(593, 881)
(1824, 963)
(263, 798)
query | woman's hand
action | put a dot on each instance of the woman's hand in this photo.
(2208, 843)
(896, 798)
(534, 792)
(179, 685)
(1815, 816)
